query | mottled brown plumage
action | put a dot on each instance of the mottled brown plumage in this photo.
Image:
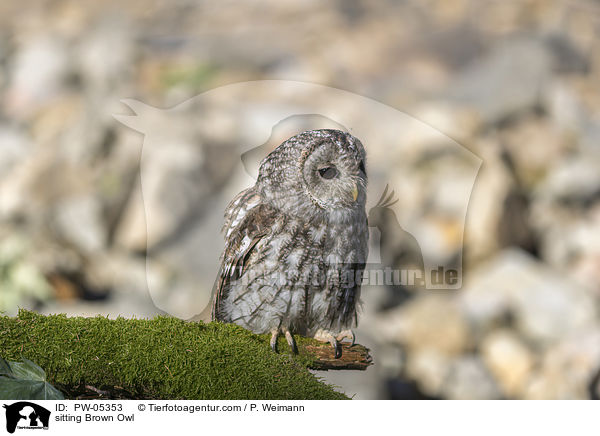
(295, 240)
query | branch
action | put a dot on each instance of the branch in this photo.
(353, 357)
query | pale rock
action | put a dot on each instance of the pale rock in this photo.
(576, 179)
(568, 367)
(429, 368)
(546, 305)
(166, 195)
(429, 321)
(131, 233)
(38, 73)
(79, 220)
(535, 146)
(564, 108)
(486, 206)
(563, 212)
(509, 360)
(105, 54)
(14, 148)
(510, 78)
(469, 379)
(458, 122)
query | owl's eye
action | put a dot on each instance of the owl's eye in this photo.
(328, 172)
(361, 167)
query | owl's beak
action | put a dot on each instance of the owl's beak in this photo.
(354, 192)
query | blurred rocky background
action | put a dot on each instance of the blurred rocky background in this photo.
(517, 83)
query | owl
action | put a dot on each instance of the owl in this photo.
(297, 242)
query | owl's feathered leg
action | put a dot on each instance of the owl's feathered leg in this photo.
(346, 334)
(274, 336)
(288, 336)
(326, 336)
(291, 341)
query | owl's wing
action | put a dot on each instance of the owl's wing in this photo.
(347, 298)
(247, 221)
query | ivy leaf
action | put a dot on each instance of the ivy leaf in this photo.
(4, 367)
(25, 381)
(27, 370)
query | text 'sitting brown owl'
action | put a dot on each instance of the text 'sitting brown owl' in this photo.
(296, 240)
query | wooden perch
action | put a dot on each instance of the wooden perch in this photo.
(356, 357)
(353, 357)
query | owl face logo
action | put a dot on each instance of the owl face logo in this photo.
(198, 155)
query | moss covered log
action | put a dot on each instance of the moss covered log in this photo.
(162, 358)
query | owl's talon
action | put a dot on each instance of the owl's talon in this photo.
(327, 336)
(274, 336)
(347, 334)
(338, 349)
(291, 341)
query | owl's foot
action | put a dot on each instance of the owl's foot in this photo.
(291, 341)
(288, 336)
(346, 334)
(326, 336)
(274, 336)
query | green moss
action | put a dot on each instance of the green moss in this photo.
(164, 358)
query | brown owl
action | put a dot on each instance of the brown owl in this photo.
(296, 242)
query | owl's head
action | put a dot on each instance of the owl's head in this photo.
(318, 171)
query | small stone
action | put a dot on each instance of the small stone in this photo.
(486, 206)
(509, 360)
(15, 147)
(510, 78)
(469, 379)
(430, 321)
(38, 73)
(566, 214)
(568, 368)
(429, 369)
(79, 220)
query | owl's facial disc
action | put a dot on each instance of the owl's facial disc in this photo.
(335, 180)
(331, 172)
